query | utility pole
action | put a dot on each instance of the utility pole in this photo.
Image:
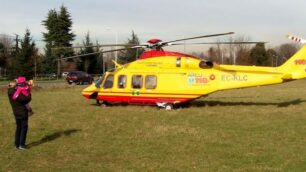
(58, 66)
(219, 54)
(222, 57)
(16, 39)
(234, 58)
(116, 40)
(35, 68)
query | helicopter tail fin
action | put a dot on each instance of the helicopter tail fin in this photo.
(295, 67)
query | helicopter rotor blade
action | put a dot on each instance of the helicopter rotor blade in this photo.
(158, 45)
(141, 46)
(99, 52)
(197, 37)
(205, 43)
(102, 45)
(81, 55)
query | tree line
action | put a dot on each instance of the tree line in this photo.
(237, 53)
(21, 56)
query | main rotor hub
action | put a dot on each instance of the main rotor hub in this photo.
(154, 41)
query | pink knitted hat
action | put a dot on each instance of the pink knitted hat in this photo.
(20, 79)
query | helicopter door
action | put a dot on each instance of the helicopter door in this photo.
(136, 87)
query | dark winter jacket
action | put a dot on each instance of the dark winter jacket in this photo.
(18, 105)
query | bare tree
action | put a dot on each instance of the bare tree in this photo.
(242, 51)
(285, 51)
(234, 51)
(212, 54)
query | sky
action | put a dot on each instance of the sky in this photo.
(257, 20)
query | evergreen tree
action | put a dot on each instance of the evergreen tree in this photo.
(88, 63)
(259, 55)
(2, 56)
(272, 56)
(64, 34)
(50, 60)
(100, 62)
(7, 52)
(130, 55)
(3, 59)
(59, 34)
(49, 63)
(1, 48)
(24, 62)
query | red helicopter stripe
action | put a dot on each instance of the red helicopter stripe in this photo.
(154, 53)
(129, 93)
(142, 100)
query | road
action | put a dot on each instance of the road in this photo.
(43, 84)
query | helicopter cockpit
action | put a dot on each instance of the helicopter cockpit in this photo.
(99, 81)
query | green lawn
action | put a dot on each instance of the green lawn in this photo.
(254, 129)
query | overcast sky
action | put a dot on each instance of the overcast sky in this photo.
(260, 20)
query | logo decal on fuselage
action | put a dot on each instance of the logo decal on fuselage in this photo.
(300, 62)
(135, 93)
(212, 77)
(197, 79)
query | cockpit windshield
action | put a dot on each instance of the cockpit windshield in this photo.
(99, 81)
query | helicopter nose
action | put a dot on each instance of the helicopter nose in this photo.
(90, 91)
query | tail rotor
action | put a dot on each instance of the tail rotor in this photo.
(296, 39)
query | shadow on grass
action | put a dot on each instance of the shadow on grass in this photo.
(200, 103)
(51, 137)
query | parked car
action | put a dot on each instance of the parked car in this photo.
(79, 77)
(50, 75)
(64, 74)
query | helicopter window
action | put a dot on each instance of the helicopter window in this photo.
(99, 81)
(136, 81)
(121, 81)
(151, 81)
(109, 81)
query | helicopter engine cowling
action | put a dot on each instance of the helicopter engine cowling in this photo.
(193, 63)
(206, 64)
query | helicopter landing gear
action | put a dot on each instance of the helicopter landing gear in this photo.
(101, 103)
(104, 104)
(98, 102)
(166, 106)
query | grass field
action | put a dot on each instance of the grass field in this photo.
(254, 129)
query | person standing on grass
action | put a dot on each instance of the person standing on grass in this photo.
(21, 113)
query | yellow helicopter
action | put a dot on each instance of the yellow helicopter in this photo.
(167, 79)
